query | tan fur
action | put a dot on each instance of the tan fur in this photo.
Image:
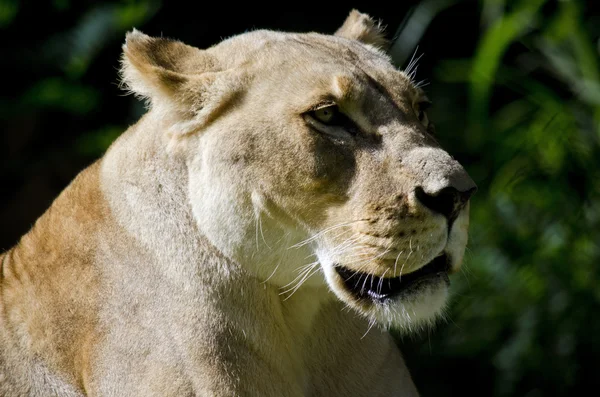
(170, 266)
(361, 27)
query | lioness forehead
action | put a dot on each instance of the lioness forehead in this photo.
(335, 62)
(263, 47)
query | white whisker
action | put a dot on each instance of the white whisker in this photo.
(371, 324)
(396, 262)
(343, 246)
(272, 274)
(302, 270)
(381, 282)
(364, 283)
(256, 216)
(309, 275)
(261, 233)
(322, 232)
(410, 63)
(291, 285)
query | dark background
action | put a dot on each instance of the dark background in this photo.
(516, 92)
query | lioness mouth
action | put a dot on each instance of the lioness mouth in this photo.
(368, 286)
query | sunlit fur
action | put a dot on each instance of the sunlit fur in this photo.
(195, 258)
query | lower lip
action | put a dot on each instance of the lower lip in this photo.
(366, 286)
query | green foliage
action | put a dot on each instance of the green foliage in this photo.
(61, 94)
(8, 11)
(94, 143)
(525, 305)
(78, 46)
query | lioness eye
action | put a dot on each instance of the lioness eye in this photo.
(330, 118)
(326, 115)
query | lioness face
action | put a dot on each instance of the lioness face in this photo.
(325, 150)
(335, 147)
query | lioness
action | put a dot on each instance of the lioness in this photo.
(282, 195)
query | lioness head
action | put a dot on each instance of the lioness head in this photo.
(311, 162)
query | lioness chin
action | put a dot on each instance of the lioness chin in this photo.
(275, 179)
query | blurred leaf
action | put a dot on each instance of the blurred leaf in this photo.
(61, 5)
(411, 30)
(491, 48)
(94, 143)
(133, 14)
(60, 94)
(8, 11)
(104, 22)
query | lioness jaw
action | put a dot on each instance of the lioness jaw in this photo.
(276, 179)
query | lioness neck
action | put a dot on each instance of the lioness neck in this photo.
(147, 190)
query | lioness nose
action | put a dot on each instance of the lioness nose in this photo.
(447, 201)
(442, 185)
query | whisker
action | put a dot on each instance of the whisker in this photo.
(364, 254)
(261, 233)
(343, 246)
(410, 63)
(422, 83)
(466, 276)
(381, 282)
(413, 65)
(312, 273)
(396, 261)
(364, 283)
(301, 278)
(256, 216)
(322, 232)
(272, 274)
(305, 268)
(371, 324)
(402, 268)
(301, 269)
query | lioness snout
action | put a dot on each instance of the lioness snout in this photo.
(443, 185)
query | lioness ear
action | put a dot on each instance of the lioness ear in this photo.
(177, 77)
(156, 67)
(362, 27)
